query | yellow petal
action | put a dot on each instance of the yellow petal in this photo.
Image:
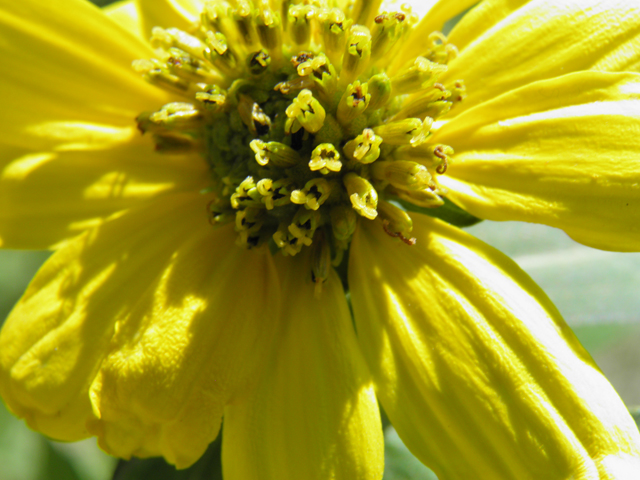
(48, 197)
(314, 414)
(180, 14)
(140, 315)
(125, 14)
(563, 152)
(434, 15)
(184, 352)
(49, 346)
(504, 47)
(66, 62)
(475, 367)
(485, 16)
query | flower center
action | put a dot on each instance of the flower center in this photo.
(303, 123)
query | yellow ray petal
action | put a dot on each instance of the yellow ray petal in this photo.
(563, 152)
(140, 314)
(55, 68)
(54, 339)
(178, 359)
(434, 15)
(475, 367)
(48, 197)
(541, 39)
(314, 414)
(125, 14)
(485, 16)
(180, 14)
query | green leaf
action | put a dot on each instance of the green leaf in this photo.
(208, 467)
(17, 268)
(449, 212)
(27, 455)
(635, 413)
(399, 462)
(56, 466)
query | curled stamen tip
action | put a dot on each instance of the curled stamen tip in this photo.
(386, 227)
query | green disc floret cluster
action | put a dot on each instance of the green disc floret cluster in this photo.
(303, 126)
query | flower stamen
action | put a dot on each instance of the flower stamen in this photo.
(306, 125)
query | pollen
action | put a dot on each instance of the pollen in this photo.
(303, 125)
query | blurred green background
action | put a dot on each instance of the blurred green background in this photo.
(597, 292)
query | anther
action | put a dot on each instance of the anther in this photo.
(364, 198)
(304, 225)
(214, 15)
(325, 159)
(427, 198)
(334, 27)
(190, 68)
(245, 24)
(156, 73)
(299, 22)
(212, 98)
(275, 153)
(379, 87)
(410, 131)
(433, 103)
(299, 83)
(219, 54)
(258, 62)
(249, 220)
(319, 72)
(249, 226)
(305, 111)
(458, 91)
(353, 103)
(246, 195)
(319, 66)
(343, 223)
(220, 213)
(396, 222)
(172, 116)
(288, 243)
(320, 262)
(422, 74)
(173, 37)
(176, 143)
(356, 55)
(365, 148)
(402, 174)
(433, 157)
(365, 10)
(385, 33)
(274, 194)
(252, 115)
(439, 50)
(313, 195)
(270, 31)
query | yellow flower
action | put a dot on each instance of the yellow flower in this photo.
(148, 325)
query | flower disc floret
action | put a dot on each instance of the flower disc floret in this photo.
(299, 120)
